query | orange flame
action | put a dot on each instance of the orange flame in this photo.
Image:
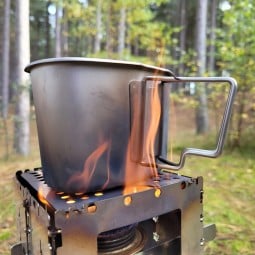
(89, 167)
(155, 110)
(133, 171)
(42, 194)
(136, 175)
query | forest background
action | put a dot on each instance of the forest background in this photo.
(199, 37)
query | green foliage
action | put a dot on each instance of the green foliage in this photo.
(38, 29)
(147, 36)
(236, 51)
(236, 46)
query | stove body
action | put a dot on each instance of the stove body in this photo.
(167, 214)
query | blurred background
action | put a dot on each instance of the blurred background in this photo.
(190, 37)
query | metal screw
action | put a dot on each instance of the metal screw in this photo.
(28, 230)
(202, 242)
(155, 219)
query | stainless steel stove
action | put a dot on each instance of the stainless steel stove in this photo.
(164, 217)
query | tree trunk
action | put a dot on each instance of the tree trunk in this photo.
(6, 59)
(5, 73)
(57, 32)
(213, 13)
(200, 38)
(22, 111)
(183, 24)
(109, 34)
(136, 46)
(202, 122)
(236, 143)
(122, 30)
(64, 34)
(47, 25)
(97, 43)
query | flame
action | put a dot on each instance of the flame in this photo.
(132, 189)
(42, 194)
(155, 110)
(133, 171)
(84, 178)
(137, 175)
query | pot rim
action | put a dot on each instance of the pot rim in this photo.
(80, 60)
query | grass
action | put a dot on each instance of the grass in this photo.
(229, 185)
(8, 198)
(228, 201)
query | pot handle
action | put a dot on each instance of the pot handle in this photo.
(163, 163)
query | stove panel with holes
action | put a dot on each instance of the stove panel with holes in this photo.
(164, 217)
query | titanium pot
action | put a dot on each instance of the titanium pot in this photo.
(83, 111)
(86, 111)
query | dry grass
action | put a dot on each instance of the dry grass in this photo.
(8, 168)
